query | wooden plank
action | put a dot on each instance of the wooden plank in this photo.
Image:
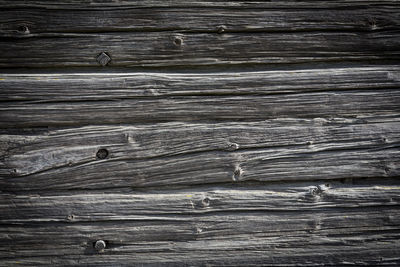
(157, 49)
(95, 206)
(22, 22)
(291, 4)
(351, 103)
(349, 257)
(357, 236)
(184, 153)
(45, 99)
(91, 86)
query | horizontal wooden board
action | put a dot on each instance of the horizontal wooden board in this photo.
(52, 87)
(95, 206)
(291, 4)
(297, 223)
(161, 49)
(356, 236)
(92, 98)
(350, 104)
(378, 256)
(185, 153)
(22, 22)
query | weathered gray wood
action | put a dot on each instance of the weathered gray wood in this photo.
(161, 48)
(97, 206)
(58, 99)
(350, 103)
(291, 4)
(65, 19)
(349, 256)
(334, 237)
(197, 190)
(180, 153)
(121, 85)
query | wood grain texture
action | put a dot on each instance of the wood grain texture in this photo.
(350, 104)
(97, 206)
(110, 19)
(184, 153)
(364, 236)
(289, 224)
(68, 87)
(86, 99)
(199, 133)
(291, 4)
(157, 49)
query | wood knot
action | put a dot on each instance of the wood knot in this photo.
(99, 245)
(314, 191)
(198, 230)
(237, 173)
(14, 172)
(221, 29)
(317, 191)
(71, 217)
(232, 147)
(103, 59)
(23, 29)
(387, 170)
(206, 202)
(383, 140)
(178, 41)
(102, 153)
(371, 22)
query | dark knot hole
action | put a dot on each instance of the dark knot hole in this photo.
(102, 153)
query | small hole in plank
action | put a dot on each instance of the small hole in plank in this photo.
(221, 29)
(23, 29)
(178, 41)
(102, 153)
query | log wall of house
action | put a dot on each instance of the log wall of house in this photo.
(199, 133)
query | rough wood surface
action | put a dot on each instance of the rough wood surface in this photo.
(243, 133)
(68, 87)
(96, 206)
(352, 103)
(351, 224)
(282, 4)
(74, 99)
(179, 153)
(221, 20)
(180, 49)
(224, 238)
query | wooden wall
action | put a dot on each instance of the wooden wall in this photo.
(187, 133)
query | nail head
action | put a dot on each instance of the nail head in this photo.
(102, 153)
(100, 245)
(103, 59)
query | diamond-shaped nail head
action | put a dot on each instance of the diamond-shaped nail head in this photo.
(103, 59)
